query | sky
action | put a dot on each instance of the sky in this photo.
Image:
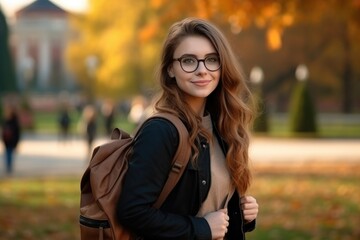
(10, 6)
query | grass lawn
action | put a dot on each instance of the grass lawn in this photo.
(312, 201)
(337, 127)
(47, 122)
(43, 208)
(316, 201)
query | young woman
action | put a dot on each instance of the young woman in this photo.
(201, 84)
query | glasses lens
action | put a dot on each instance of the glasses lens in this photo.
(212, 63)
(189, 64)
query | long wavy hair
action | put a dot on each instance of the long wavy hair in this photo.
(230, 104)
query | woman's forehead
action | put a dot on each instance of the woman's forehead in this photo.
(194, 45)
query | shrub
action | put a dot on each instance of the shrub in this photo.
(302, 112)
(261, 121)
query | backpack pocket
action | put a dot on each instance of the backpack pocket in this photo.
(92, 229)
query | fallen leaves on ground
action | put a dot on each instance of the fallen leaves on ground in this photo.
(297, 201)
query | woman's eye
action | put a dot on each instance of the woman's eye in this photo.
(212, 59)
(188, 60)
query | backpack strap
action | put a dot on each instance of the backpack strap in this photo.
(180, 160)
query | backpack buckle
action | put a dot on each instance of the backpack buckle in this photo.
(177, 167)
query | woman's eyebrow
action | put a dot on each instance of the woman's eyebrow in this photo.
(213, 53)
(188, 55)
(196, 56)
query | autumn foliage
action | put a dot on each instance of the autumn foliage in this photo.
(126, 36)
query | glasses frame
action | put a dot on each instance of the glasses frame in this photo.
(198, 63)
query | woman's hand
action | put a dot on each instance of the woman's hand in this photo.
(218, 222)
(250, 208)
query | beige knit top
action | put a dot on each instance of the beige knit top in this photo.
(221, 188)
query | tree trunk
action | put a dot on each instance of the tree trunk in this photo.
(7, 72)
(347, 74)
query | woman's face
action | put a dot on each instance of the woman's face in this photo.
(197, 85)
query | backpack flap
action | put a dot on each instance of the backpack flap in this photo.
(97, 213)
(119, 134)
(104, 176)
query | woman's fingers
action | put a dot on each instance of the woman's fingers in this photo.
(250, 208)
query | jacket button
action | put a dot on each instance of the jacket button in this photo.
(203, 182)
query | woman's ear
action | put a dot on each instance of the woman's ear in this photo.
(171, 72)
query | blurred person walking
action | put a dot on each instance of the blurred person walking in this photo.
(137, 112)
(64, 123)
(108, 113)
(89, 125)
(10, 135)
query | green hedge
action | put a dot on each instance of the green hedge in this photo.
(302, 111)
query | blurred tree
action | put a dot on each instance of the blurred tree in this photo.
(1, 111)
(302, 110)
(340, 22)
(337, 21)
(117, 43)
(7, 72)
(276, 34)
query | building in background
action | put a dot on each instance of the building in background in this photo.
(40, 34)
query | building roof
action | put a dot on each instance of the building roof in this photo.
(40, 7)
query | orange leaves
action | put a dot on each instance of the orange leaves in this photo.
(206, 8)
(287, 19)
(39, 208)
(318, 201)
(127, 35)
(156, 3)
(306, 201)
(272, 15)
(148, 31)
(273, 36)
(112, 31)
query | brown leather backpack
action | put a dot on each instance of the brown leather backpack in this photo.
(101, 184)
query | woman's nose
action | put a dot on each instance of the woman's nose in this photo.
(201, 68)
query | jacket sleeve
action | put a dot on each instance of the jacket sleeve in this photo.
(250, 226)
(148, 169)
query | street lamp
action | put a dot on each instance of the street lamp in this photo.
(302, 73)
(256, 75)
(91, 63)
(256, 78)
(302, 108)
(28, 71)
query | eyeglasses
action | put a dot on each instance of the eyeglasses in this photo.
(190, 63)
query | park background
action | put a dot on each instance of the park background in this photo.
(302, 61)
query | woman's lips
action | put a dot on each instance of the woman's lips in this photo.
(201, 83)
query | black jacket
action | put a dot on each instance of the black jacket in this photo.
(148, 169)
(11, 132)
